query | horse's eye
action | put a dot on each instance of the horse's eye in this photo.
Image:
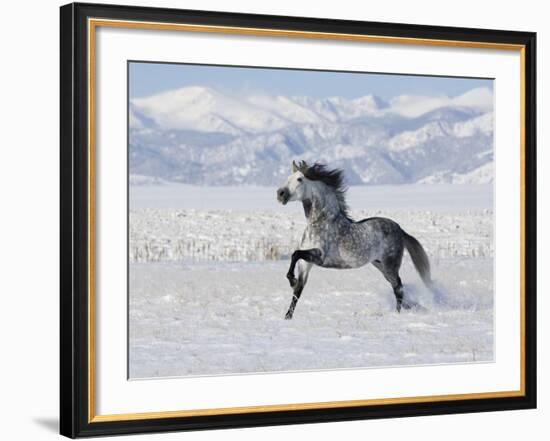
(300, 179)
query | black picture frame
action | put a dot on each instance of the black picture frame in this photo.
(75, 416)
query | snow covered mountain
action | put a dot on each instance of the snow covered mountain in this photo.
(203, 136)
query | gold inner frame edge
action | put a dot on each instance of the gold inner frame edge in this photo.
(92, 24)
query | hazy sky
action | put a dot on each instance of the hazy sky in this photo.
(150, 78)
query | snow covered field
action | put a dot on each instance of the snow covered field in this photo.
(428, 197)
(208, 291)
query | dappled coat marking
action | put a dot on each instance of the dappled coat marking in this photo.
(332, 239)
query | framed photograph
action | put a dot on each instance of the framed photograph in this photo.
(274, 220)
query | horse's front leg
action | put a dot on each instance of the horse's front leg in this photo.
(303, 272)
(313, 255)
(306, 258)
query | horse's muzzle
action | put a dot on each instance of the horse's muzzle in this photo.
(283, 195)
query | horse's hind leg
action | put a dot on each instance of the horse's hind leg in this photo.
(303, 273)
(390, 269)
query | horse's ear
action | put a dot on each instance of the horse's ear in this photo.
(294, 167)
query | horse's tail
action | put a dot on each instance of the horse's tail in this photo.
(419, 258)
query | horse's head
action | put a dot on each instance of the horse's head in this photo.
(296, 186)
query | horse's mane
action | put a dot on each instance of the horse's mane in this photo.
(332, 178)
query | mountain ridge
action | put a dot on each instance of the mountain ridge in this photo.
(202, 136)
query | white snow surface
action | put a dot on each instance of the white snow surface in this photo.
(212, 319)
(208, 293)
(432, 197)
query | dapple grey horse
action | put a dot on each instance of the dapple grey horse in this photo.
(333, 240)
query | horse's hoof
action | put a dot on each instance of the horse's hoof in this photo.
(416, 307)
(398, 308)
(288, 316)
(292, 280)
